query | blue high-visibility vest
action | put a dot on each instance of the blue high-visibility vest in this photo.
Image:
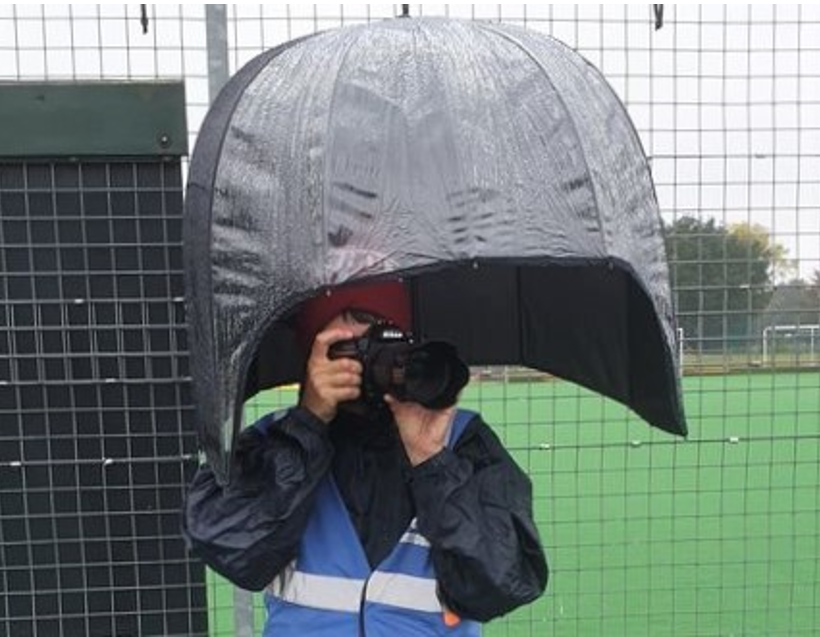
(330, 590)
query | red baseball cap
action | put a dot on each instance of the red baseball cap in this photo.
(388, 299)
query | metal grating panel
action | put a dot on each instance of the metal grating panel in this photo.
(96, 443)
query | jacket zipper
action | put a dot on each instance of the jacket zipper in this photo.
(362, 601)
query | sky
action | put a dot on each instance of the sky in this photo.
(726, 99)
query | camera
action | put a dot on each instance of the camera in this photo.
(429, 373)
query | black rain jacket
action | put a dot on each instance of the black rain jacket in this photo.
(473, 504)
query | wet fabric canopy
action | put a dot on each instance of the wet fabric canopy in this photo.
(491, 168)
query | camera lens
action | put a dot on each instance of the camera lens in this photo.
(434, 375)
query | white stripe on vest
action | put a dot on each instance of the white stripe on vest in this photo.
(412, 536)
(403, 591)
(317, 591)
(344, 594)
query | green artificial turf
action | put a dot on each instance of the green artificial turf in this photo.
(648, 534)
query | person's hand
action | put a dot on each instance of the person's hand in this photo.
(330, 382)
(423, 431)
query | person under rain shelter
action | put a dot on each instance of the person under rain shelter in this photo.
(368, 519)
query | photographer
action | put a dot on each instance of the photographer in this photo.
(369, 517)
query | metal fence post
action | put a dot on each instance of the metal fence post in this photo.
(216, 21)
(216, 24)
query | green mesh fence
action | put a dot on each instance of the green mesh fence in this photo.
(647, 535)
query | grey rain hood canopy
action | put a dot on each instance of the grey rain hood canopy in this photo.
(490, 167)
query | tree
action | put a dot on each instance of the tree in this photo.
(791, 304)
(781, 267)
(796, 303)
(722, 277)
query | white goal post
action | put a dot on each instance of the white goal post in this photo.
(771, 332)
(680, 352)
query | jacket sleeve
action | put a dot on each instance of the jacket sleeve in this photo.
(474, 505)
(250, 529)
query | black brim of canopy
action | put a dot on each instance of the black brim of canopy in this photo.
(590, 323)
(491, 168)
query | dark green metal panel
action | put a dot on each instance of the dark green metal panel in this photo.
(92, 119)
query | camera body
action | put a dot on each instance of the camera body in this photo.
(429, 373)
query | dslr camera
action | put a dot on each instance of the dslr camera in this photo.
(429, 373)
